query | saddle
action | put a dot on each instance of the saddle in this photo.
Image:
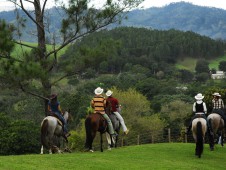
(58, 120)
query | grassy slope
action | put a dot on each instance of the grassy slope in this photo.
(190, 63)
(18, 51)
(151, 156)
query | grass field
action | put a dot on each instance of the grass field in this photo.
(164, 156)
(190, 63)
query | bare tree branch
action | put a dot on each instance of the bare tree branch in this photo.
(31, 93)
(26, 45)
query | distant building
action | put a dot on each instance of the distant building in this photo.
(218, 75)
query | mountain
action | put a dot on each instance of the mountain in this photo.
(181, 16)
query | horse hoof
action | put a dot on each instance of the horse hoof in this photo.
(91, 150)
(109, 149)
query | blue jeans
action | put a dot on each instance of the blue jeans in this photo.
(60, 116)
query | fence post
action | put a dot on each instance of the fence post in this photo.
(122, 142)
(152, 138)
(138, 139)
(169, 135)
(186, 135)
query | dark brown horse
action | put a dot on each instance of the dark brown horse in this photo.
(94, 123)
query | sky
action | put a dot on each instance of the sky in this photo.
(5, 5)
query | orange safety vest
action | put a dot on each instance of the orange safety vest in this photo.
(99, 104)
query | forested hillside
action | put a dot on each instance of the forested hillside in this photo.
(121, 48)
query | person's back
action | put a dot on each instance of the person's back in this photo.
(200, 110)
(98, 103)
(114, 108)
(54, 108)
(218, 106)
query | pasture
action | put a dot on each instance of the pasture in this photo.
(150, 156)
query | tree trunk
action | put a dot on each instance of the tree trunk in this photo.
(39, 14)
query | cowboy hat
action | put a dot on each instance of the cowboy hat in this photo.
(98, 91)
(199, 96)
(216, 94)
(53, 96)
(109, 93)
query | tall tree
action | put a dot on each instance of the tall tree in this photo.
(80, 18)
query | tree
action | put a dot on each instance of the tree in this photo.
(40, 64)
(222, 66)
(202, 66)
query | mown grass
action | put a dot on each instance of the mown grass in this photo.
(190, 63)
(175, 156)
(19, 50)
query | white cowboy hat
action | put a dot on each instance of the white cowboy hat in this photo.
(98, 91)
(216, 94)
(109, 93)
(199, 96)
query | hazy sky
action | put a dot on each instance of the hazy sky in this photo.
(5, 5)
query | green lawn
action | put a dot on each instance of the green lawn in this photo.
(175, 156)
(190, 63)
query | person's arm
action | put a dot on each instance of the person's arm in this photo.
(204, 107)
(194, 109)
(49, 108)
(59, 108)
(92, 103)
(222, 102)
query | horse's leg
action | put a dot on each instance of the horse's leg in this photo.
(101, 142)
(222, 138)
(108, 140)
(42, 148)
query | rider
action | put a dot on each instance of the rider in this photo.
(218, 106)
(54, 108)
(200, 110)
(98, 103)
(115, 107)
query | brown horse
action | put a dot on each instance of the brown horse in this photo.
(217, 125)
(199, 129)
(94, 123)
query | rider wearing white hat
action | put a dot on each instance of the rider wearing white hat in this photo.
(218, 106)
(98, 103)
(115, 109)
(200, 110)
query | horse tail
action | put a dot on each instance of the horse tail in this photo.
(44, 133)
(199, 139)
(89, 138)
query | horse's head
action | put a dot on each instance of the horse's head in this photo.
(67, 116)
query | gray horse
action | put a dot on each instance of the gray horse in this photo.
(51, 127)
(217, 124)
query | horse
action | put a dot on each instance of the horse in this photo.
(217, 125)
(51, 130)
(94, 123)
(199, 129)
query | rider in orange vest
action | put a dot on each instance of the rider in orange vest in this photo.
(98, 103)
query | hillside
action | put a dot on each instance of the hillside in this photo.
(180, 16)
